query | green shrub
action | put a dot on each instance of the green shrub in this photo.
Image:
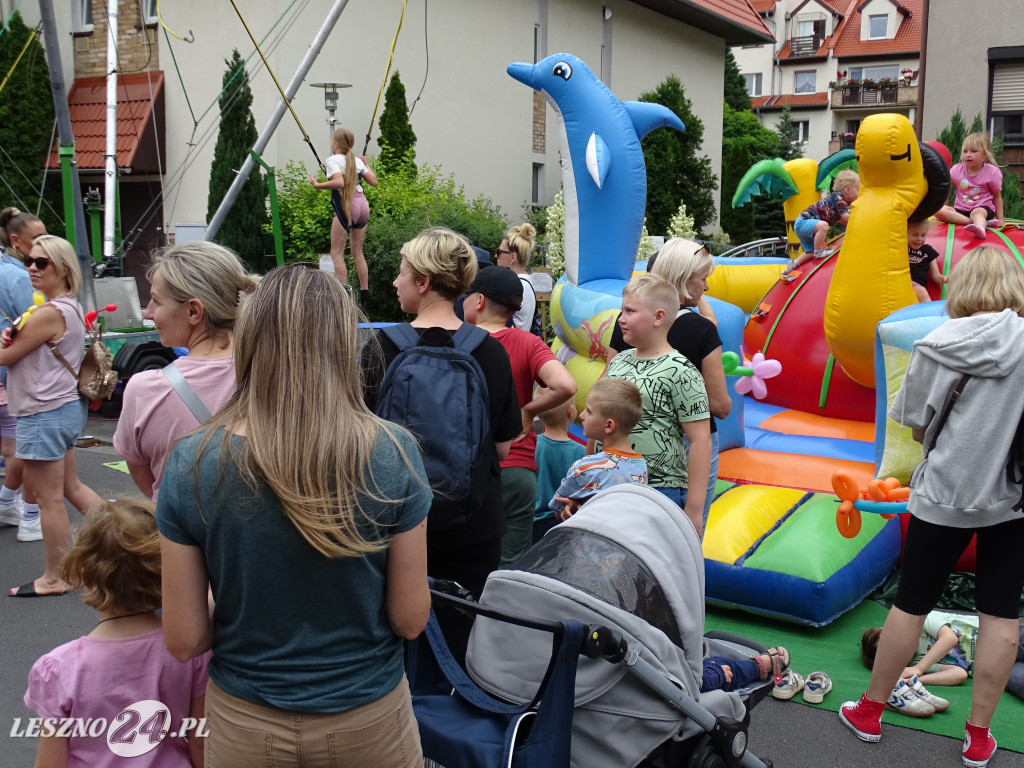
(402, 205)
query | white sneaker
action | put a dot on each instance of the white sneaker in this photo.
(11, 514)
(940, 704)
(30, 531)
(905, 700)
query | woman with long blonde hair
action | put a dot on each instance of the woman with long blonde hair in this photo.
(43, 396)
(345, 174)
(306, 515)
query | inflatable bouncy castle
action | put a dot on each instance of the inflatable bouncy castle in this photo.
(842, 331)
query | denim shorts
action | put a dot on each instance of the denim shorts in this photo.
(8, 424)
(804, 229)
(48, 435)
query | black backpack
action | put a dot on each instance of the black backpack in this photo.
(440, 395)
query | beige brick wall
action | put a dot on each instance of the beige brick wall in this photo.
(539, 123)
(137, 48)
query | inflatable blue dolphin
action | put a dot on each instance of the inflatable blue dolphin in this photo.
(604, 178)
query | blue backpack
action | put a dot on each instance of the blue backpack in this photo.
(440, 395)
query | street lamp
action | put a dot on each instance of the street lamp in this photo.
(331, 101)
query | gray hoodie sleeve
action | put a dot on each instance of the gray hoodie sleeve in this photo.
(912, 406)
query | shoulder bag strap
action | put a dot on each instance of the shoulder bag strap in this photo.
(186, 392)
(953, 397)
(53, 347)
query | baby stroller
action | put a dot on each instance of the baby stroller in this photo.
(622, 583)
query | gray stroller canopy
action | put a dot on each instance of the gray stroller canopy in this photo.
(631, 560)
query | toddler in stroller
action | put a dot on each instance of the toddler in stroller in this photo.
(630, 562)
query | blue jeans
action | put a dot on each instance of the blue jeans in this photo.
(712, 475)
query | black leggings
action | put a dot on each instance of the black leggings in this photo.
(930, 551)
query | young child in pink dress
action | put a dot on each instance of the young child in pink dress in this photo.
(121, 671)
(979, 188)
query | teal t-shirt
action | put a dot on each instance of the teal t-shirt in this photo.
(672, 391)
(553, 457)
(291, 628)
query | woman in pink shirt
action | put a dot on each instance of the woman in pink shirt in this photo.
(194, 295)
(43, 396)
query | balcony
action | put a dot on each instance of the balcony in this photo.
(807, 45)
(859, 95)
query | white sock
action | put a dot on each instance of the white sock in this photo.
(31, 513)
(7, 495)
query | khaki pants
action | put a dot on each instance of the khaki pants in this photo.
(381, 734)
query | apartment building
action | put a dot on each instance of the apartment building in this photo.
(834, 63)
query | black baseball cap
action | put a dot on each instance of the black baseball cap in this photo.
(499, 284)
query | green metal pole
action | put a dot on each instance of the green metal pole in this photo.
(66, 154)
(275, 217)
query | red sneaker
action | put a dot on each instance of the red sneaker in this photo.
(979, 746)
(864, 718)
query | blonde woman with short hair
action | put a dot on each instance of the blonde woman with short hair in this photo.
(43, 396)
(463, 540)
(194, 293)
(963, 489)
(306, 516)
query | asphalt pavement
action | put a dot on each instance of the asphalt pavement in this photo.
(790, 734)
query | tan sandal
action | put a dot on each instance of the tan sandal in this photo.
(779, 657)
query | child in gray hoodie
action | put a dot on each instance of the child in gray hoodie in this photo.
(963, 487)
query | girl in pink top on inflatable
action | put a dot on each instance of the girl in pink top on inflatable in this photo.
(979, 188)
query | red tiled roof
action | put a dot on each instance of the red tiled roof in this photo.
(763, 6)
(790, 100)
(87, 104)
(738, 12)
(907, 40)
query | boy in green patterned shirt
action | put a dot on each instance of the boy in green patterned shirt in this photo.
(673, 394)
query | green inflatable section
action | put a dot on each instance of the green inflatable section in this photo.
(809, 546)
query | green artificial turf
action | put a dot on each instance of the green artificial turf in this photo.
(835, 649)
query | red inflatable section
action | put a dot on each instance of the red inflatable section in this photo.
(788, 327)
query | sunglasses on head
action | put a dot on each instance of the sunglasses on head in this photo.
(41, 262)
(500, 251)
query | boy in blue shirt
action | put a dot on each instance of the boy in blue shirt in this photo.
(811, 226)
(613, 409)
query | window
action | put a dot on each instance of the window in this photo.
(81, 16)
(537, 184)
(1007, 101)
(803, 128)
(753, 84)
(812, 27)
(875, 73)
(878, 27)
(149, 15)
(852, 126)
(804, 82)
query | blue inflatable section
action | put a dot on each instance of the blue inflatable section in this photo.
(810, 602)
(826, 447)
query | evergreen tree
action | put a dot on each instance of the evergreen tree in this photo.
(735, 86)
(737, 222)
(397, 140)
(26, 125)
(675, 172)
(790, 147)
(245, 228)
(743, 129)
